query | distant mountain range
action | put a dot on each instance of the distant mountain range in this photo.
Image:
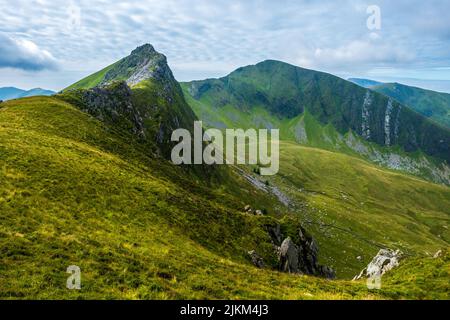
(431, 104)
(366, 83)
(8, 93)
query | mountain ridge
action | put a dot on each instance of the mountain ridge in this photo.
(434, 105)
(80, 187)
(7, 93)
(286, 90)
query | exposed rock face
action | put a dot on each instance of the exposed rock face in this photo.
(113, 104)
(298, 257)
(365, 123)
(288, 256)
(256, 259)
(384, 261)
(143, 63)
(140, 94)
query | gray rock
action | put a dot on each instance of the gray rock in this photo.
(383, 262)
(288, 256)
(327, 272)
(256, 259)
(438, 254)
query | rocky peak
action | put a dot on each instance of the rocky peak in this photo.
(143, 63)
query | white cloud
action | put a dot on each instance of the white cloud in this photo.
(24, 54)
(202, 38)
(362, 53)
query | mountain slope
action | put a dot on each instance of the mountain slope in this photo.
(75, 192)
(8, 93)
(285, 92)
(431, 104)
(81, 184)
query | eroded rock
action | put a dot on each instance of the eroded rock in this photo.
(256, 259)
(288, 257)
(300, 256)
(383, 262)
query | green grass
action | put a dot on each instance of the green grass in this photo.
(74, 191)
(352, 207)
(91, 80)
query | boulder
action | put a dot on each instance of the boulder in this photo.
(256, 259)
(384, 261)
(288, 256)
(298, 257)
(438, 254)
(327, 272)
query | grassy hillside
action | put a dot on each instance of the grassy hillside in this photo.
(354, 208)
(286, 91)
(431, 104)
(75, 191)
(306, 130)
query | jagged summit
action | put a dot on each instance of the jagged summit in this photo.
(137, 93)
(143, 63)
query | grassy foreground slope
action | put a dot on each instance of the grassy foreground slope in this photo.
(354, 208)
(75, 192)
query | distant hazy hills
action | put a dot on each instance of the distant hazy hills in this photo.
(8, 93)
(431, 104)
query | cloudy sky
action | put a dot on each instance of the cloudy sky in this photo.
(53, 43)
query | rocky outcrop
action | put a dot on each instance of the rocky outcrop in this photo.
(384, 261)
(256, 259)
(113, 104)
(288, 254)
(143, 63)
(248, 209)
(438, 254)
(300, 256)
